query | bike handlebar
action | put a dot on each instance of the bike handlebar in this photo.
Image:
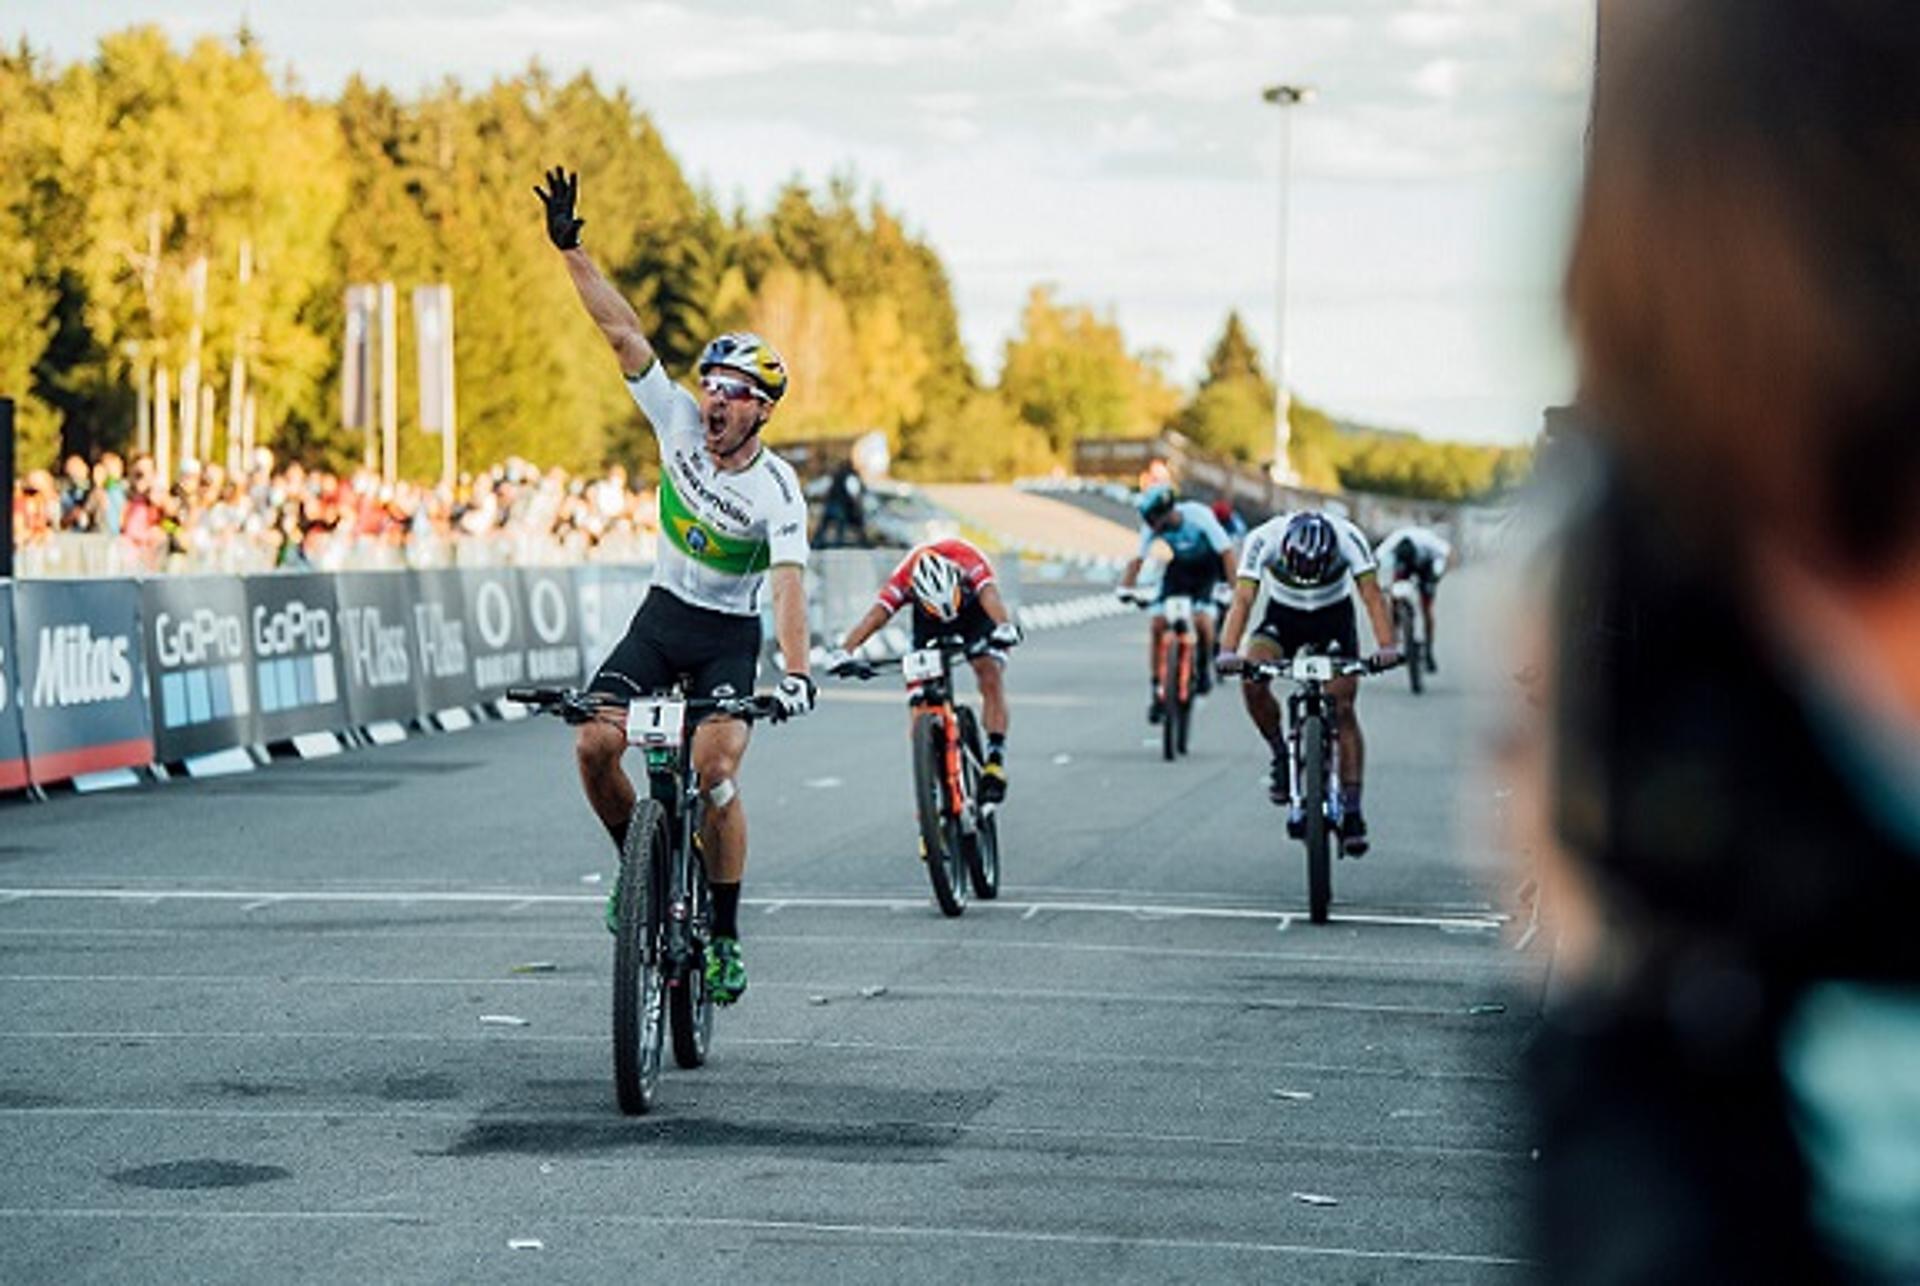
(1262, 671)
(863, 670)
(576, 706)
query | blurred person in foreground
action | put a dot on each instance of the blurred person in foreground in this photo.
(1727, 1076)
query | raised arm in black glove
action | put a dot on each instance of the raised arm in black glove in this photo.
(563, 226)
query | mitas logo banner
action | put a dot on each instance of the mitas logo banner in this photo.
(81, 685)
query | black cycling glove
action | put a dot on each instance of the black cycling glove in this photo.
(563, 226)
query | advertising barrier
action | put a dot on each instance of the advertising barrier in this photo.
(378, 658)
(294, 635)
(82, 677)
(608, 598)
(199, 667)
(552, 626)
(13, 742)
(441, 638)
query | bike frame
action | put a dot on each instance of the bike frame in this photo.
(1176, 649)
(932, 693)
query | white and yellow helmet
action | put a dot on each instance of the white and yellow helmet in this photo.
(752, 356)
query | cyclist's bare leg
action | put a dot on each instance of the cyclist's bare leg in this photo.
(1353, 751)
(1154, 635)
(988, 674)
(597, 748)
(1262, 705)
(718, 745)
(1426, 612)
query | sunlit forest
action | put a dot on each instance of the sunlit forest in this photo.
(178, 228)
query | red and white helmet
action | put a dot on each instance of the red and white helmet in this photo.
(936, 586)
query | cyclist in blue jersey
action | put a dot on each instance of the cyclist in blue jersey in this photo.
(1203, 558)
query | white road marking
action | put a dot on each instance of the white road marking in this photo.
(787, 1044)
(1138, 911)
(893, 1232)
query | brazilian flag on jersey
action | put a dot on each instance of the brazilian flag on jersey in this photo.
(702, 542)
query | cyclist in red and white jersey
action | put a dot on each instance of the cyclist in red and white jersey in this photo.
(951, 586)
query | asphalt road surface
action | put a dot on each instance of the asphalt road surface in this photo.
(242, 1037)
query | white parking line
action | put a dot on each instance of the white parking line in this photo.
(870, 1231)
(1137, 911)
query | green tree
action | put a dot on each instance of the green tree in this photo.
(1233, 409)
(1069, 374)
(28, 295)
(984, 440)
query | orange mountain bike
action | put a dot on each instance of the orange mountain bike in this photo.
(959, 835)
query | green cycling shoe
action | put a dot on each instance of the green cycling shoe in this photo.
(726, 971)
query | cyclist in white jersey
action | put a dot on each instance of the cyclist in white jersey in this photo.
(1311, 564)
(1419, 557)
(733, 526)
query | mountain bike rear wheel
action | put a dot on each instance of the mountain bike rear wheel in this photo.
(982, 848)
(939, 837)
(1410, 646)
(1313, 798)
(639, 980)
(690, 1005)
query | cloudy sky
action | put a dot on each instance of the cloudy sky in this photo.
(1116, 148)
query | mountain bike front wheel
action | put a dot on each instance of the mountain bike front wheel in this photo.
(982, 848)
(690, 1005)
(939, 837)
(639, 958)
(1313, 797)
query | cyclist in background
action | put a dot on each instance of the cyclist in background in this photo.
(1202, 557)
(951, 586)
(1230, 520)
(1418, 555)
(732, 521)
(1311, 565)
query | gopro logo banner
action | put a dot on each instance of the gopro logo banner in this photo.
(199, 658)
(296, 658)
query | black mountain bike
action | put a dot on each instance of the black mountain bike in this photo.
(959, 835)
(662, 901)
(1410, 631)
(1313, 761)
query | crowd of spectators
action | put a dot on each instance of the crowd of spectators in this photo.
(112, 517)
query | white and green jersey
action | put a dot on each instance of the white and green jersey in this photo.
(719, 532)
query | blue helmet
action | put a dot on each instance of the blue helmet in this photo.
(1310, 549)
(1155, 503)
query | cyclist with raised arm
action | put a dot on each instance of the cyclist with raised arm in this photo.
(1420, 557)
(733, 526)
(951, 586)
(1311, 565)
(1203, 556)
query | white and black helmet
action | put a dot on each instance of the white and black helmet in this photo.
(936, 586)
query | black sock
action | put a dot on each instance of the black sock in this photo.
(726, 910)
(996, 747)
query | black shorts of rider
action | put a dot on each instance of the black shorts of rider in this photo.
(1291, 629)
(669, 641)
(1193, 579)
(973, 625)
